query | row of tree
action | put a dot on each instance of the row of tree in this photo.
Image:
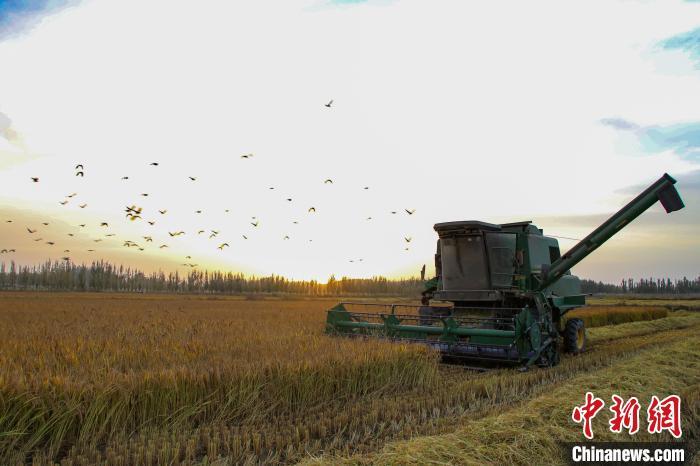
(104, 276)
(644, 286)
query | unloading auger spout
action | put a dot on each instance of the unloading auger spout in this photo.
(663, 191)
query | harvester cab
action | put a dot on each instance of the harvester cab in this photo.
(500, 291)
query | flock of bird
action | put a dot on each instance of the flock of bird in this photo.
(135, 213)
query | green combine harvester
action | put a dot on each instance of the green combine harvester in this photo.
(500, 293)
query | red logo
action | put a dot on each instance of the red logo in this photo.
(586, 412)
(625, 415)
(662, 415)
(665, 415)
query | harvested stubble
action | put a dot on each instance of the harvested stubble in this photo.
(530, 432)
(177, 359)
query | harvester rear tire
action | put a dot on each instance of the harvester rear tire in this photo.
(574, 336)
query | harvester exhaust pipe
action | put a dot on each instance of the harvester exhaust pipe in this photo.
(662, 190)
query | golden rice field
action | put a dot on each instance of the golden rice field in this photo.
(148, 379)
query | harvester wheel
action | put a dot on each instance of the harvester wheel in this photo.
(574, 336)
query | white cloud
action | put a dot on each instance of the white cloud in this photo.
(484, 110)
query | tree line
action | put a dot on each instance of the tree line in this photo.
(644, 286)
(104, 276)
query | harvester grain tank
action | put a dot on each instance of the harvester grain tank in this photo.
(501, 291)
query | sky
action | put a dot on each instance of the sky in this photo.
(557, 112)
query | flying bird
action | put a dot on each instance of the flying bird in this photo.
(366, 187)
(104, 224)
(63, 202)
(66, 250)
(38, 239)
(80, 174)
(71, 234)
(8, 221)
(285, 237)
(162, 246)
(79, 167)
(410, 212)
(197, 211)
(72, 195)
(65, 258)
(31, 231)
(132, 217)
(125, 177)
(192, 178)
(50, 243)
(82, 206)
(329, 103)
(255, 224)
(154, 164)
(244, 237)
(312, 209)
(91, 250)
(45, 223)
(176, 233)
(369, 218)
(35, 179)
(223, 245)
(97, 240)
(246, 156)
(111, 234)
(144, 194)
(289, 199)
(82, 225)
(188, 257)
(151, 223)
(148, 239)
(162, 212)
(134, 209)
(407, 239)
(328, 181)
(200, 232)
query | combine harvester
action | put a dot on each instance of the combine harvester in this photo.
(504, 290)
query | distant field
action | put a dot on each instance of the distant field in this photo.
(684, 302)
(160, 379)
